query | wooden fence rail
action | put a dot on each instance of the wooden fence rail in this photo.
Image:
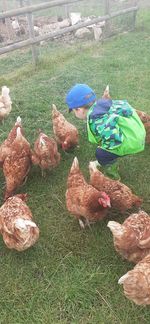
(37, 7)
(34, 40)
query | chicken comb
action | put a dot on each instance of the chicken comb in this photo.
(104, 194)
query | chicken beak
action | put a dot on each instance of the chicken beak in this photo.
(108, 204)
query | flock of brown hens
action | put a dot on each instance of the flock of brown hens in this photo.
(88, 202)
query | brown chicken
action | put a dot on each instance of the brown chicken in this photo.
(136, 283)
(145, 118)
(5, 103)
(45, 153)
(147, 128)
(121, 196)
(66, 134)
(5, 147)
(17, 164)
(132, 238)
(86, 203)
(16, 226)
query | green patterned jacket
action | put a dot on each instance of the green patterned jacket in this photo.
(116, 127)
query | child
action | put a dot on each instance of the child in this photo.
(112, 124)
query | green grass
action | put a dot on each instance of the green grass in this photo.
(70, 275)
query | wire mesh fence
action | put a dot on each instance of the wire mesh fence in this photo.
(16, 29)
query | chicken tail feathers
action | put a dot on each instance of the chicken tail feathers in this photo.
(19, 135)
(22, 224)
(75, 164)
(106, 94)
(122, 279)
(115, 228)
(93, 166)
(54, 110)
(5, 91)
(6, 97)
(54, 107)
(23, 196)
(18, 121)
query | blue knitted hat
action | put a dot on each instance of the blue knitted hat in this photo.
(79, 95)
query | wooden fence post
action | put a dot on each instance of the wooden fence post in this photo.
(67, 9)
(32, 35)
(107, 7)
(107, 12)
(21, 3)
(135, 3)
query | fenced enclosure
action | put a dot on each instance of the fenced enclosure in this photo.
(105, 17)
(71, 276)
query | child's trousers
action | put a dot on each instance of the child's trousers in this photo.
(105, 157)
